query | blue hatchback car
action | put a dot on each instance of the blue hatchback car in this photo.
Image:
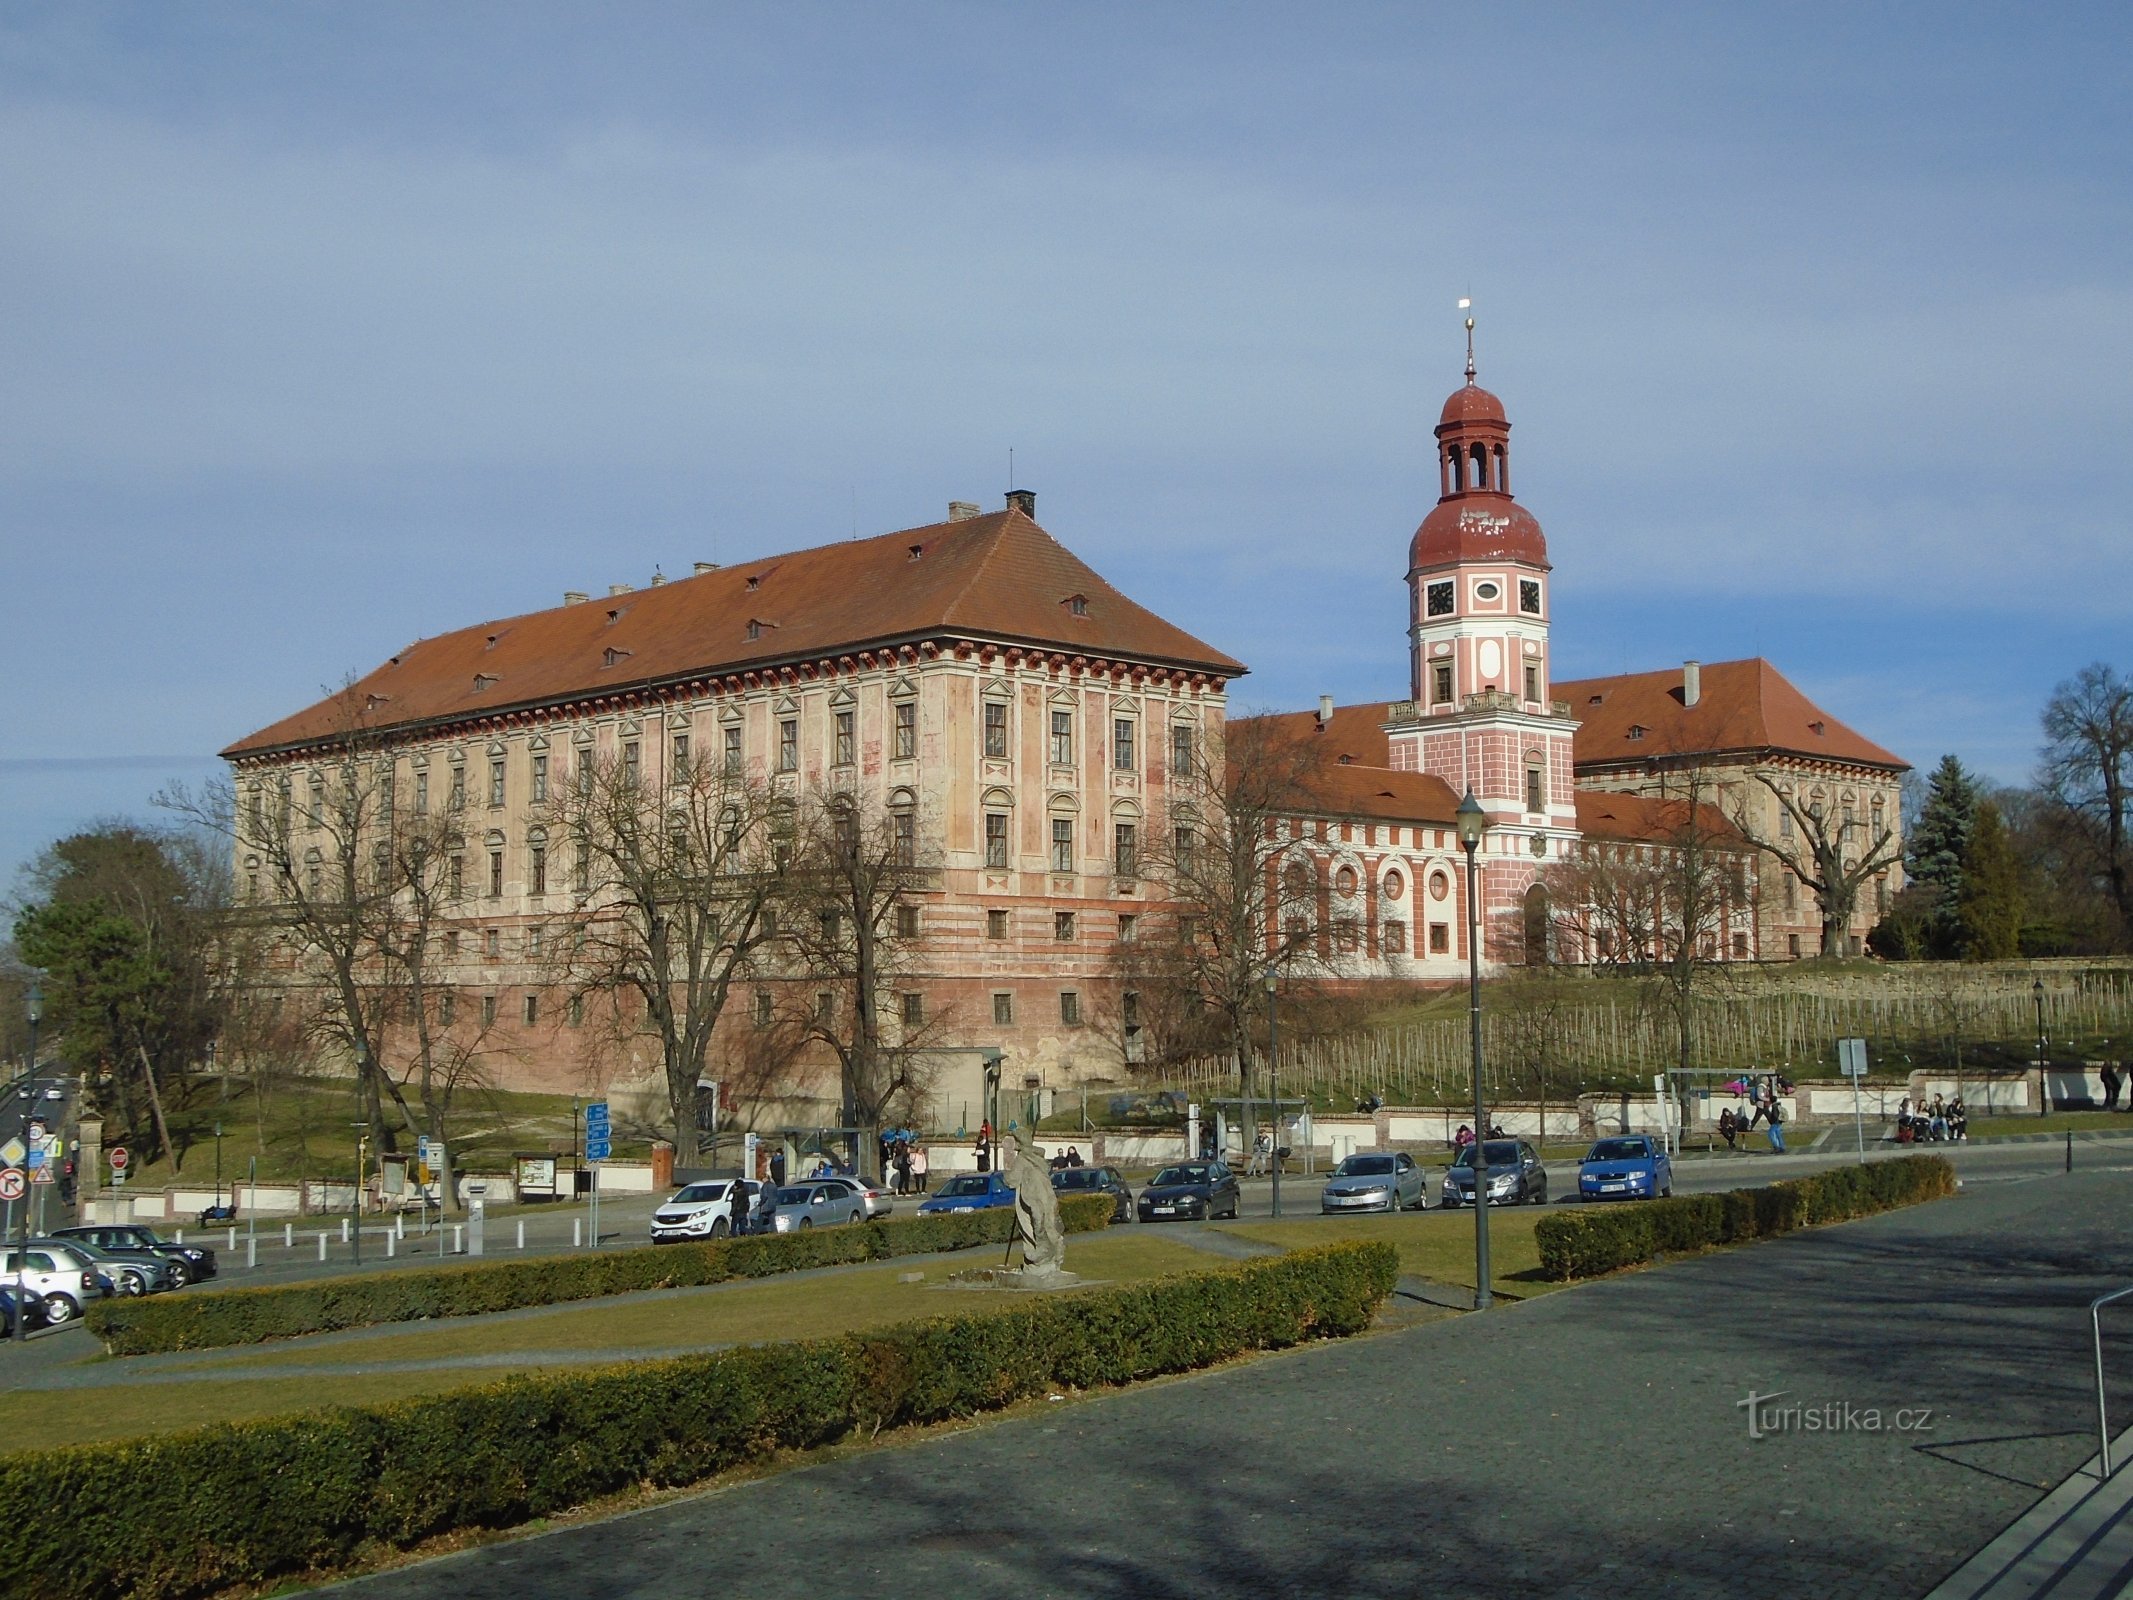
(969, 1191)
(1629, 1167)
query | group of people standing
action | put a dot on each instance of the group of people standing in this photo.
(903, 1163)
(1765, 1105)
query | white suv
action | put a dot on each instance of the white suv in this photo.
(700, 1211)
(66, 1280)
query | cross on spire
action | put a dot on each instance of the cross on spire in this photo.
(1466, 304)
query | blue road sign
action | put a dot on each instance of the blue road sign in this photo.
(597, 1133)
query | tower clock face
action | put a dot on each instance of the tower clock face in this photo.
(1529, 596)
(1440, 599)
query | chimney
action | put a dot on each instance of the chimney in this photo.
(575, 597)
(1691, 682)
(1024, 501)
(614, 589)
(1325, 712)
(703, 567)
(658, 578)
(963, 510)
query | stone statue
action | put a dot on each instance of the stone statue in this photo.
(1036, 1210)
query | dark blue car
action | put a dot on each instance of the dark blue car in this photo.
(969, 1191)
(1631, 1166)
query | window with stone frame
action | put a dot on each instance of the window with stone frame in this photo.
(1440, 938)
(537, 869)
(1125, 850)
(996, 730)
(632, 764)
(1440, 677)
(996, 924)
(532, 1009)
(914, 1008)
(905, 725)
(789, 744)
(1070, 1007)
(903, 833)
(907, 922)
(844, 738)
(765, 1008)
(496, 782)
(1395, 938)
(1063, 926)
(1180, 750)
(488, 1011)
(1122, 743)
(996, 839)
(496, 873)
(1062, 738)
(678, 769)
(733, 750)
(1062, 844)
(1003, 1008)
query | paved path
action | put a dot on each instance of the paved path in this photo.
(1583, 1443)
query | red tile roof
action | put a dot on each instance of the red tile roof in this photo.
(1602, 815)
(1362, 785)
(1743, 706)
(992, 577)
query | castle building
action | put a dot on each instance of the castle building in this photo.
(1026, 724)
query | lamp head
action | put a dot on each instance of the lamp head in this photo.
(33, 1002)
(1273, 976)
(1471, 821)
(2037, 988)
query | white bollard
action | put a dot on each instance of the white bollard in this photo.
(251, 1250)
(322, 1244)
(577, 1232)
(181, 1236)
(233, 1238)
(288, 1236)
(400, 1224)
(344, 1231)
(458, 1239)
(390, 1239)
(522, 1233)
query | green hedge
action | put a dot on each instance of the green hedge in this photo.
(194, 1321)
(1598, 1239)
(249, 1503)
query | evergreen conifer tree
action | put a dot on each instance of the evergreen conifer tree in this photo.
(1990, 905)
(1939, 845)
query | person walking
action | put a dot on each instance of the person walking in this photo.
(2111, 1081)
(918, 1168)
(1777, 1127)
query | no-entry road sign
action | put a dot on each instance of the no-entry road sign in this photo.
(119, 1158)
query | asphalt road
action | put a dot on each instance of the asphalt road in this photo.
(1584, 1443)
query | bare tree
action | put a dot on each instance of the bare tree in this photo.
(849, 944)
(1534, 1022)
(2087, 772)
(314, 842)
(1237, 895)
(673, 887)
(1832, 851)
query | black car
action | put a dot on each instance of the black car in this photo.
(32, 1304)
(1097, 1180)
(1191, 1189)
(191, 1261)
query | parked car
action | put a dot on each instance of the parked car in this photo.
(194, 1262)
(703, 1210)
(1516, 1175)
(66, 1280)
(132, 1272)
(820, 1204)
(32, 1304)
(968, 1191)
(1375, 1181)
(1190, 1189)
(1097, 1180)
(877, 1200)
(1631, 1166)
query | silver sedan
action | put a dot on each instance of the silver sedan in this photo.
(873, 1196)
(1380, 1181)
(820, 1204)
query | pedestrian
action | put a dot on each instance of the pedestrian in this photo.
(918, 1168)
(1463, 1138)
(1728, 1130)
(1257, 1165)
(777, 1168)
(1958, 1120)
(1777, 1128)
(984, 1153)
(1074, 1155)
(2111, 1081)
(903, 1166)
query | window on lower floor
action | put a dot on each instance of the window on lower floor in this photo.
(1062, 844)
(1395, 938)
(1440, 678)
(1127, 922)
(1063, 925)
(996, 839)
(532, 1009)
(995, 924)
(907, 922)
(914, 1009)
(1126, 850)
(1440, 938)
(1792, 945)
(762, 1008)
(577, 1011)
(488, 1010)
(1070, 1007)
(1346, 935)
(1003, 1009)
(1740, 947)
(492, 942)
(1536, 790)
(496, 873)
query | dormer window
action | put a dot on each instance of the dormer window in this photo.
(614, 617)
(917, 550)
(1817, 728)
(484, 681)
(1078, 604)
(611, 656)
(755, 582)
(1636, 730)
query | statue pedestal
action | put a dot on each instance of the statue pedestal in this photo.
(1022, 1278)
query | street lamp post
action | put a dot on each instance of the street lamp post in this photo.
(1472, 823)
(2044, 1098)
(994, 1059)
(1273, 1080)
(218, 1164)
(355, 1198)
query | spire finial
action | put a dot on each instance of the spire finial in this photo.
(1466, 304)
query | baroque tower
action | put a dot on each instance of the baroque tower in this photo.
(1480, 714)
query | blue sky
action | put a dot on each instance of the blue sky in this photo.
(327, 327)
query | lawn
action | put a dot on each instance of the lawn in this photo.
(263, 1382)
(2055, 1122)
(1438, 1245)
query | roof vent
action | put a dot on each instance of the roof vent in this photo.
(755, 580)
(703, 567)
(614, 589)
(1024, 501)
(917, 550)
(575, 597)
(1594, 700)
(1691, 682)
(1325, 712)
(963, 510)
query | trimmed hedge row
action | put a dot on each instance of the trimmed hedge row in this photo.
(1595, 1240)
(247, 1316)
(247, 1503)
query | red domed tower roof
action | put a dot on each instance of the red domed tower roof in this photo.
(1475, 518)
